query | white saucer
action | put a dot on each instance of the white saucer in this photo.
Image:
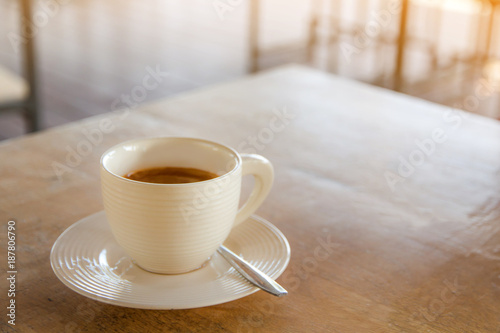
(87, 259)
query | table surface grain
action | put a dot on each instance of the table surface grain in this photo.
(391, 206)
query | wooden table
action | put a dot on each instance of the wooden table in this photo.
(391, 206)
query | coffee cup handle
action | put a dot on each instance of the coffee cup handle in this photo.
(262, 170)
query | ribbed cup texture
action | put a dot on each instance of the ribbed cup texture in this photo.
(169, 228)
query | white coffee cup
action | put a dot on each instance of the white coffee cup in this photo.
(176, 228)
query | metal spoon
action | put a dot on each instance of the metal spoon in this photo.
(251, 273)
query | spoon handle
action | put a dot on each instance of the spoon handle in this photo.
(251, 273)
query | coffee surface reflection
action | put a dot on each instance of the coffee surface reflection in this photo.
(170, 175)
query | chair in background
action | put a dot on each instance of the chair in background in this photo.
(446, 60)
(436, 50)
(361, 39)
(339, 39)
(261, 57)
(18, 94)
